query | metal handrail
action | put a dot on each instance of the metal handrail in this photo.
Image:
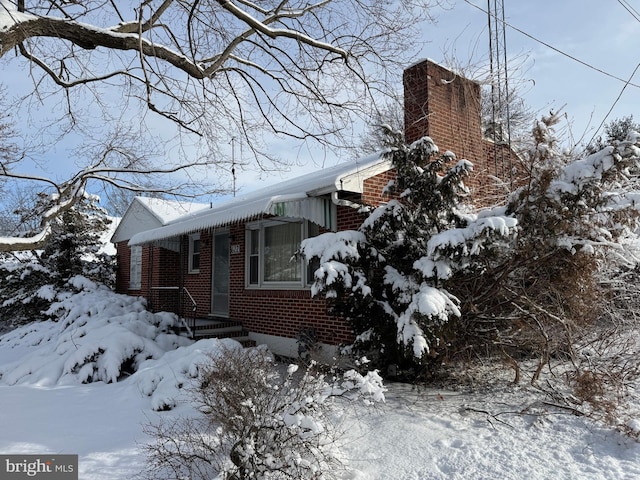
(187, 315)
(195, 305)
(193, 310)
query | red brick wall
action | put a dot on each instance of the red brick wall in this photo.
(199, 284)
(495, 174)
(374, 187)
(349, 218)
(166, 267)
(122, 272)
(165, 271)
(282, 313)
(123, 256)
(160, 268)
(444, 106)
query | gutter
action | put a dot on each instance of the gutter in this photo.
(344, 203)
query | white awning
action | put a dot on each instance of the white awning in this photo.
(318, 210)
(306, 197)
(321, 211)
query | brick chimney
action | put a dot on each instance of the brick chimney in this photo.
(446, 107)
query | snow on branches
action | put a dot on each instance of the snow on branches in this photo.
(389, 277)
(579, 204)
(93, 335)
(424, 258)
(258, 421)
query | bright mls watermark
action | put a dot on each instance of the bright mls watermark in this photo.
(50, 467)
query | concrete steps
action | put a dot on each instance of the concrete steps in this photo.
(220, 328)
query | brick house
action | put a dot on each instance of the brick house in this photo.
(143, 214)
(232, 262)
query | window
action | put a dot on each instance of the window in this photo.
(271, 249)
(135, 268)
(194, 253)
(254, 256)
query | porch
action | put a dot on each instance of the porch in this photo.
(179, 300)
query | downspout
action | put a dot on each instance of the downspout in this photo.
(149, 293)
(181, 279)
(341, 202)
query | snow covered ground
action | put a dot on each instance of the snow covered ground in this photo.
(507, 433)
(412, 437)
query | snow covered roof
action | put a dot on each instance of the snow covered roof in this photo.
(169, 210)
(146, 213)
(294, 198)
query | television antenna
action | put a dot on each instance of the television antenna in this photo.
(500, 127)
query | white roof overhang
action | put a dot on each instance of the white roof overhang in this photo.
(305, 197)
(319, 210)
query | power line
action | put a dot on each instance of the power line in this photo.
(588, 65)
(614, 103)
(634, 13)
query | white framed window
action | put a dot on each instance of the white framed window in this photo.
(135, 268)
(271, 247)
(194, 253)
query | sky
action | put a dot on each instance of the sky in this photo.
(588, 42)
(599, 33)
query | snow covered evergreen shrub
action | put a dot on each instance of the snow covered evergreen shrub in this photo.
(423, 276)
(257, 421)
(94, 335)
(76, 243)
(30, 281)
(392, 278)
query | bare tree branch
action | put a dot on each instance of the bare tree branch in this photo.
(218, 34)
(133, 27)
(210, 70)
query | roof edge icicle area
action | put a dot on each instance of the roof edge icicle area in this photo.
(302, 197)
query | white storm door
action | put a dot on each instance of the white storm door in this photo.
(220, 275)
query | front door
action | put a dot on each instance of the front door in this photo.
(220, 275)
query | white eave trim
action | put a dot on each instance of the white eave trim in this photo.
(320, 210)
(354, 182)
(305, 198)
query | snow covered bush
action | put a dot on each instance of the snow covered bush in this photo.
(425, 277)
(544, 291)
(615, 131)
(578, 204)
(30, 281)
(166, 380)
(257, 421)
(392, 278)
(25, 290)
(92, 335)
